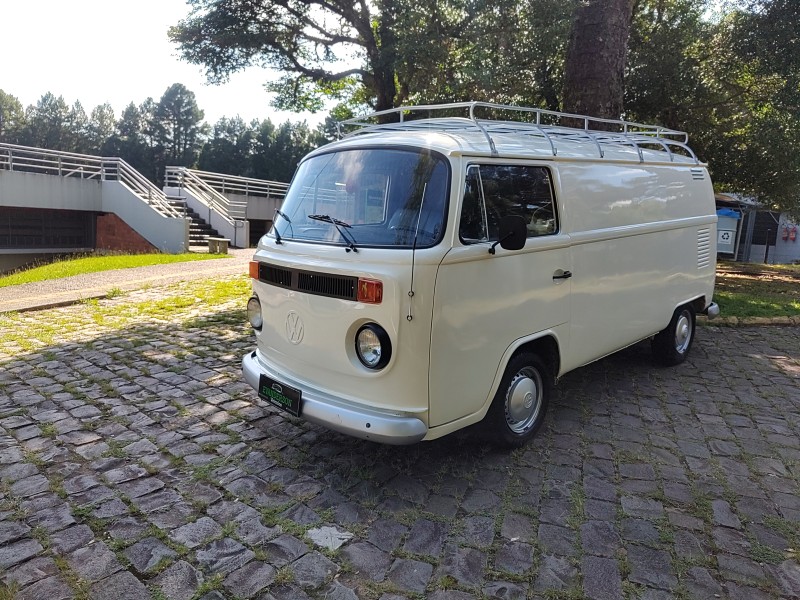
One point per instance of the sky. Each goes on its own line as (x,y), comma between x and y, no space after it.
(97,51)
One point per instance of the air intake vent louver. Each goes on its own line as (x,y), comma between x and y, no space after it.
(327,285)
(698,174)
(703,248)
(275,275)
(318,284)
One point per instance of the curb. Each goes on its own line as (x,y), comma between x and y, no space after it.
(750,321)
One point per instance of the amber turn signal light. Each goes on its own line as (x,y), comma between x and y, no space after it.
(370,291)
(254,269)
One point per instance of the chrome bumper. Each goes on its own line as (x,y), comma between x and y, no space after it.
(712,310)
(357,421)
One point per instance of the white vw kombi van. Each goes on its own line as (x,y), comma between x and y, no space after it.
(426,274)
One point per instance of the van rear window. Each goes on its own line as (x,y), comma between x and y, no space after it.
(494,191)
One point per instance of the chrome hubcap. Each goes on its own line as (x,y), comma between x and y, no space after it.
(683,333)
(523,400)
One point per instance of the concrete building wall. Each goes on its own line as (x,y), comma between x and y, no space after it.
(168,234)
(33,190)
(257,207)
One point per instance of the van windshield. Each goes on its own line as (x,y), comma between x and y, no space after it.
(374,197)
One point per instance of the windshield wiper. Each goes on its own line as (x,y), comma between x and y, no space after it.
(348,238)
(278,211)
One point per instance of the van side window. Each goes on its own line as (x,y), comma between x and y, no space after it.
(494,191)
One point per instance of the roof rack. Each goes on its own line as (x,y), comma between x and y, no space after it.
(549,125)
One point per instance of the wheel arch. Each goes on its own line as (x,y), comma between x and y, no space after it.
(546,347)
(545,344)
(699,304)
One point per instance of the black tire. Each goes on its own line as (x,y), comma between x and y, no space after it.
(521,401)
(671,346)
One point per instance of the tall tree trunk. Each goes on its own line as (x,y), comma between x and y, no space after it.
(595,64)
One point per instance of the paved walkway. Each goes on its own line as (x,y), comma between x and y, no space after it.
(135,463)
(69,290)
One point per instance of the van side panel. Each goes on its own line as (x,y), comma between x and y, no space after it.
(641,239)
(482,304)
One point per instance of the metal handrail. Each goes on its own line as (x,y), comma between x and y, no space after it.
(236,184)
(28,159)
(219,185)
(547,124)
(185,178)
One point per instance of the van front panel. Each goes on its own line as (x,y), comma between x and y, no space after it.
(310,338)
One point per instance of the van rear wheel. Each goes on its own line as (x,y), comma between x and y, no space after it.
(520,404)
(671,346)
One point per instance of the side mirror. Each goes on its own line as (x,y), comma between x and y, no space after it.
(513,233)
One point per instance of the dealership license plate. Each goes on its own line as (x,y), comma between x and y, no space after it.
(280,395)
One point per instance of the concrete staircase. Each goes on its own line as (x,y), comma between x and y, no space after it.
(199,230)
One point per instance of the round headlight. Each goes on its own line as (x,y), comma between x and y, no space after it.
(373,347)
(254,313)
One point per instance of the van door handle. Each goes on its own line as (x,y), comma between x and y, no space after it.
(563,275)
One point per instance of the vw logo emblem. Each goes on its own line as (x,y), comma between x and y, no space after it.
(294,327)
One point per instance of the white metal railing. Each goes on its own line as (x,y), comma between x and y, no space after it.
(225,185)
(187,179)
(549,125)
(27,159)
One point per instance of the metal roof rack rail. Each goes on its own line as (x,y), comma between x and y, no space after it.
(550,125)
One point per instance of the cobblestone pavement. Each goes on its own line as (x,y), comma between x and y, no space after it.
(136,464)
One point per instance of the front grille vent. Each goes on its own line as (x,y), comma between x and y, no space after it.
(335,286)
(703,248)
(275,275)
(698,174)
(310,282)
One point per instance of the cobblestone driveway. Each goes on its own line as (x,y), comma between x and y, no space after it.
(136,464)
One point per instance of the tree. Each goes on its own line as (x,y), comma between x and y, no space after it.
(12,118)
(385,53)
(129,141)
(307,40)
(176,128)
(503,51)
(77,130)
(277,151)
(595,63)
(100,129)
(230,148)
(761,64)
(665,80)
(47,124)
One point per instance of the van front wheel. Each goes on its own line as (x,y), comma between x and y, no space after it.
(671,346)
(520,403)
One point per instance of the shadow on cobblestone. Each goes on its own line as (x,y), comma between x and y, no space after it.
(136,463)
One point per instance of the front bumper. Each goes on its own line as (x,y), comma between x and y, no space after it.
(341,416)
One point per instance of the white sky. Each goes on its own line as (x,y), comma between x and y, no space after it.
(97,51)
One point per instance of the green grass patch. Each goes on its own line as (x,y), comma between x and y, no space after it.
(94,264)
(176,302)
(756,290)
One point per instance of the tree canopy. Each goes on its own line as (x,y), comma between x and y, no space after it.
(153,134)
(729,76)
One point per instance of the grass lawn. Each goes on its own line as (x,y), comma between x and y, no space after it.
(757,290)
(93,264)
